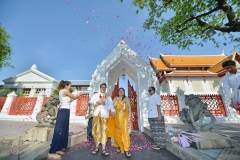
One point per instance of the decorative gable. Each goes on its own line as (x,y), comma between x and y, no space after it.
(32,75)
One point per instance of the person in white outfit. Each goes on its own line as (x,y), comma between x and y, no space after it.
(231,83)
(101,105)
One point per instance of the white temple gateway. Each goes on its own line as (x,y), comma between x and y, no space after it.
(173,77)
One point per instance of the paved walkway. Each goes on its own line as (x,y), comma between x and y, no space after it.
(140,144)
(141,149)
(18,128)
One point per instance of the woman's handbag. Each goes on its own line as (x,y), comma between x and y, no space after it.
(185,141)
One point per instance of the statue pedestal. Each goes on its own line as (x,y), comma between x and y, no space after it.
(40,134)
(212,140)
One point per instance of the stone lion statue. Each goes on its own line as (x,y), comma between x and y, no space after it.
(196,112)
(48,114)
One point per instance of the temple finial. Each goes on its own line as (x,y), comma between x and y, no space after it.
(223,52)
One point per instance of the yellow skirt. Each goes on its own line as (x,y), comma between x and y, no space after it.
(111,126)
(100,130)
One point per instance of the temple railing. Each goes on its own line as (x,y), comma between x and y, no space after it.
(215,104)
(2,101)
(22,106)
(170,105)
(82,105)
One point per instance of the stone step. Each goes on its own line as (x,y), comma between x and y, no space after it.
(191,153)
(229,154)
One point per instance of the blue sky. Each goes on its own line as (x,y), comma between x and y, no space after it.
(68,39)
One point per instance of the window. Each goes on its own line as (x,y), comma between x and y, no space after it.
(38,90)
(26,91)
(13,89)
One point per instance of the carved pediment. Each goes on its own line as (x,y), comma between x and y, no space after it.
(30,76)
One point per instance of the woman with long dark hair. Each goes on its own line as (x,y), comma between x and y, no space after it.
(60,135)
(122,119)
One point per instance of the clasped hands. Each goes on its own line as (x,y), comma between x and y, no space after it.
(100,102)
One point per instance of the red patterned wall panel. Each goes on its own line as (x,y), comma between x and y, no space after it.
(82,105)
(215,104)
(170,105)
(133,101)
(22,106)
(115,90)
(2,101)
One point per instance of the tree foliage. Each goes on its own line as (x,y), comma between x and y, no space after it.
(192,22)
(5,48)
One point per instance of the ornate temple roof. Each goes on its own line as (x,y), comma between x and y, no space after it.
(192,73)
(197,65)
(217,68)
(172,61)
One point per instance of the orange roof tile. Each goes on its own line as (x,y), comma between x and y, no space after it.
(205,60)
(159,64)
(218,66)
(191,73)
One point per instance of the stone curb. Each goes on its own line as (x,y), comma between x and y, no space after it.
(73,140)
(36,150)
(191,153)
(186,153)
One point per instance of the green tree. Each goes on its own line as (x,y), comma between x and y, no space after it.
(192,22)
(5,48)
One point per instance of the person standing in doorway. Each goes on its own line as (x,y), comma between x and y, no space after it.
(122,123)
(60,135)
(102,104)
(156,120)
(231,81)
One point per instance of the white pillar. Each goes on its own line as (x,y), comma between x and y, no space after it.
(32,92)
(206,87)
(8,103)
(188,87)
(172,89)
(38,105)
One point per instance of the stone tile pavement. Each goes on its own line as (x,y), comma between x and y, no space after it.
(141,149)
(18,128)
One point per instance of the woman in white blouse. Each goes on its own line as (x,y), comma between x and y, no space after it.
(60,136)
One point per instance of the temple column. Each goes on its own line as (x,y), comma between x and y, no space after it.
(39,103)
(8,103)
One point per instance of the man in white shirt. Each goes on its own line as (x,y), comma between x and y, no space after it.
(231,81)
(156,120)
(101,106)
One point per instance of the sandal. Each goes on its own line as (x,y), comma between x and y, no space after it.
(53,156)
(156,148)
(105,153)
(118,150)
(95,151)
(128,154)
(61,153)
(154,145)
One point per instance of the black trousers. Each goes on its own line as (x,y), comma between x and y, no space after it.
(89,128)
(60,135)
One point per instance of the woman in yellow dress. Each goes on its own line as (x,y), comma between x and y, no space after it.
(122,119)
